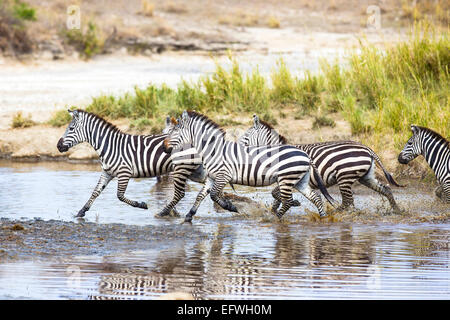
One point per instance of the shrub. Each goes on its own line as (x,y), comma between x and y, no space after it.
(19,121)
(88,43)
(60,118)
(23,11)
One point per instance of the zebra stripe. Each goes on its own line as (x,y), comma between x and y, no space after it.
(127,156)
(338,162)
(229,162)
(436,151)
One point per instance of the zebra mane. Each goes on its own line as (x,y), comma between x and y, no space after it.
(202,117)
(282,139)
(434,134)
(109,125)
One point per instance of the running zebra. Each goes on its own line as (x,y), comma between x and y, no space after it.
(436,151)
(229,162)
(338,162)
(128,156)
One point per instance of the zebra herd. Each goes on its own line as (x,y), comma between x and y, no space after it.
(194,147)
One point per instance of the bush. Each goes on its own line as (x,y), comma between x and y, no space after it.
(60,118)
(13,28)
(23,11)
(19,121)
(88,43)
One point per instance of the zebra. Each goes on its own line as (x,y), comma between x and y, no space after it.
(339,162)
(128,156)
(436,151)
(229,162)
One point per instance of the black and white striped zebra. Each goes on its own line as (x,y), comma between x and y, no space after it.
(436,151)
(229,162)
(128,156)
(339,162)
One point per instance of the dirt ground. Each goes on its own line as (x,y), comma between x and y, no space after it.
(213,25)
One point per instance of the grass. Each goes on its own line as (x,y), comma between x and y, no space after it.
(379,92)
(19,121)
(147,8)
(60,118)
(23,11)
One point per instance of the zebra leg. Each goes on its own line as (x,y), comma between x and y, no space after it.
(310,194)
(105,178)
(370,181)
(277,200)
(285,198)
(201,195)
(345,187)
(179,182)
(217,192)
(438,192)
(124,177)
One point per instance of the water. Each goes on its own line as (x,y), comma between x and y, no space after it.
(242,257)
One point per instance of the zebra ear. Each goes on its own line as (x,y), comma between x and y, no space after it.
(414,129)
(255,121)
(185,116)
(73,113)
(167,121)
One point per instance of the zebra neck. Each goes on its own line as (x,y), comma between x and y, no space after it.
(103,139)
(436,154)
(209,144)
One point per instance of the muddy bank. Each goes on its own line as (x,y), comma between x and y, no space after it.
(39,239)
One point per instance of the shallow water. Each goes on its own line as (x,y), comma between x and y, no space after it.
(242,258)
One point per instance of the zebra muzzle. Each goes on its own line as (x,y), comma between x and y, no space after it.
(402,160)
(61,147)
(166,148)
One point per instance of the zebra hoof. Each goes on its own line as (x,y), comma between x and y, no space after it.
(231,207)
(143,205)
(163,213)
(188,219)
(175,212)
(295,203)
(279,215)
(81,213)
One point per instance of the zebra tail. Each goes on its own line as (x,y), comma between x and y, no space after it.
(388,176)
(322,188)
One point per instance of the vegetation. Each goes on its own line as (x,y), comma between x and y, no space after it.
(88,43)
(23,11)
(60,118)
(19,121)
(379,92)
(14,15)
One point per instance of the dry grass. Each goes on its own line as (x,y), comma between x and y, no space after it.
(176,7)
(273,22)
(19,121)
(239,18)
(147,8)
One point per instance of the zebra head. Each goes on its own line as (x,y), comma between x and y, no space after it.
(261,133)
(74,133)
(412,148)
(174,139)
(170,123)
(194,130)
